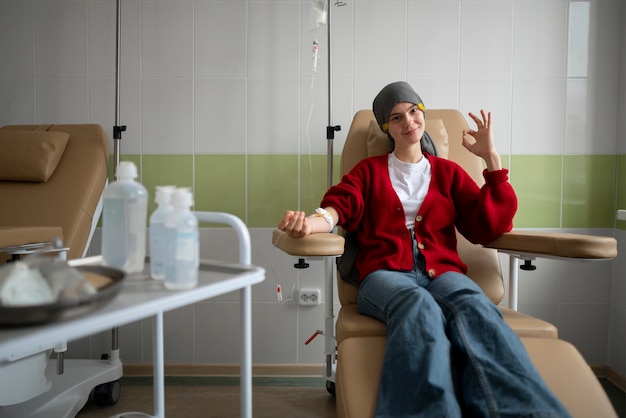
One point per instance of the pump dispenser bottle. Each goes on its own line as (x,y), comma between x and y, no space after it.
(156,232)
(125,204)
(182,256)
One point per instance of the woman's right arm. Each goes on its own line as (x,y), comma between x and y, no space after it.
(296,224)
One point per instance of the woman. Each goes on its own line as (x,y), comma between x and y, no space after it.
(449,353)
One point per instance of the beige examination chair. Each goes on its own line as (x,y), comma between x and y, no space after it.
(360,340)
(51,182)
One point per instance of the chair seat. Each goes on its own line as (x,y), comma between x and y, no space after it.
(350,323)
(559,363)
(528,326)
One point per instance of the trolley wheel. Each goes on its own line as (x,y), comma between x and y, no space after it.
(107,393)
(330,387)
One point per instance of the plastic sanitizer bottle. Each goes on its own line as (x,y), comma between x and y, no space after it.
(182,257)
(125,206)
(156,232)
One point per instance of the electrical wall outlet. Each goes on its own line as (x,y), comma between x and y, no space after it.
(309,297)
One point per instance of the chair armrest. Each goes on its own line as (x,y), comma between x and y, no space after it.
(555,245)
(313,245)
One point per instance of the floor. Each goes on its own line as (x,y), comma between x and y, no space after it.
(213,397)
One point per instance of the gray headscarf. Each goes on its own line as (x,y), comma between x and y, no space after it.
(391,95)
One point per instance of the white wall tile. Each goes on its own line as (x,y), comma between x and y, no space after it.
(215,22)
(343,38)
(617,340)
(542,284)
(380,40)
(101,96)
(490,95)
(584,281)
(274,39)
(577,117)
(275,333)
(62,100)
(437,93)
(618,282)
(167,39)
(130,115)
(314,116)
(540,38)
(220,116)
(486,39)
(16,23)
(130,38)
(547,311)
(274,128)
(343,110)
(311,320)
(101,40)
(61,39)
(217,336)
(537,116)
(167,116)
(179,333)
(585,326)
(433,39)
(131,343)
(18,103)
(311,39)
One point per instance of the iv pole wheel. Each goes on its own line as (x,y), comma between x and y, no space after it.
(330,387)
(107,394)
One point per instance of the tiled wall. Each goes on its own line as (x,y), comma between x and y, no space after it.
(220,96)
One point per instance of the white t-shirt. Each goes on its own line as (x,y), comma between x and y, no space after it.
(410,181)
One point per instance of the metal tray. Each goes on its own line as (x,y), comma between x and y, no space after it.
(16,316)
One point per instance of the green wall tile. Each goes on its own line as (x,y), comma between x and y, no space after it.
(259,188)
(161,170)
(537,182)
(313,181)
(589,191)
(272,188)
(221,184)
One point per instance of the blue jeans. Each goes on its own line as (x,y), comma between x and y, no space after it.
(449,352)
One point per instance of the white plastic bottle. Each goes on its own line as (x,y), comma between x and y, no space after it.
(124,212)
(182,256)
(156,231)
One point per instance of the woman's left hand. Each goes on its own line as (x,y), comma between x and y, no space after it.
(483,145)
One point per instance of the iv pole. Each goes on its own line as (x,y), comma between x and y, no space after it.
(330,129)
(330,349)
(117,137)
(117,129)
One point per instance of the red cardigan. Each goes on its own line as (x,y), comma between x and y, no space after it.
(367,203)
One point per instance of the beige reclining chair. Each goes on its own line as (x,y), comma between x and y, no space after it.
(51,182)
(360,340)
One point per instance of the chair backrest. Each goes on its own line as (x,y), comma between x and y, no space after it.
(70,197)
(365,139)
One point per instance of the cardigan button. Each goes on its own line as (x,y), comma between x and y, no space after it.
(420,246)
(418,218)
(431,273)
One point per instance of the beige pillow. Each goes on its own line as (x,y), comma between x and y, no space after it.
(378,143)
(30,155)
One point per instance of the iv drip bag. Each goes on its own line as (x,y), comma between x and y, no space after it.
(317,14)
